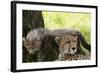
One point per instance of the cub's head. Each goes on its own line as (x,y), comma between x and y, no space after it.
(32,42)
(67,44)
(31,46)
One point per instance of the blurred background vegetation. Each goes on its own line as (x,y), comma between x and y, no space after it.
(70,20)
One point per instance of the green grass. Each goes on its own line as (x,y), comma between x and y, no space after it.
(60,20)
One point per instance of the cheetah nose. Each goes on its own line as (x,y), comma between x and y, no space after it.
(73,48)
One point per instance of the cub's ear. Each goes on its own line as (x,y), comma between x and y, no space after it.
(58,39)
(23,39)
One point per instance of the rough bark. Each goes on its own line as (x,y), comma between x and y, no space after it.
(31,19)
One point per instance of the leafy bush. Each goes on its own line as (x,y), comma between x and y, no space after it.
(60,20)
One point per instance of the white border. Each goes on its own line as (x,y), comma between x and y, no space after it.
(37,65)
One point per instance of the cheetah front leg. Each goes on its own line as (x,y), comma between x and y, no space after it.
(61,57)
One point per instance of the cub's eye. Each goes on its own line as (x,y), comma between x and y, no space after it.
(27,43)
(38,40)
(68,41)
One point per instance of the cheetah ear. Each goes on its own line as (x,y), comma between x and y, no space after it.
(58,39)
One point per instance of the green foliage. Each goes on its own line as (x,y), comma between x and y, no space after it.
(60,20)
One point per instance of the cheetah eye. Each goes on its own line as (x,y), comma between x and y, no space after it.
(75,41)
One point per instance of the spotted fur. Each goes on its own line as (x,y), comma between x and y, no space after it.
(69,57)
